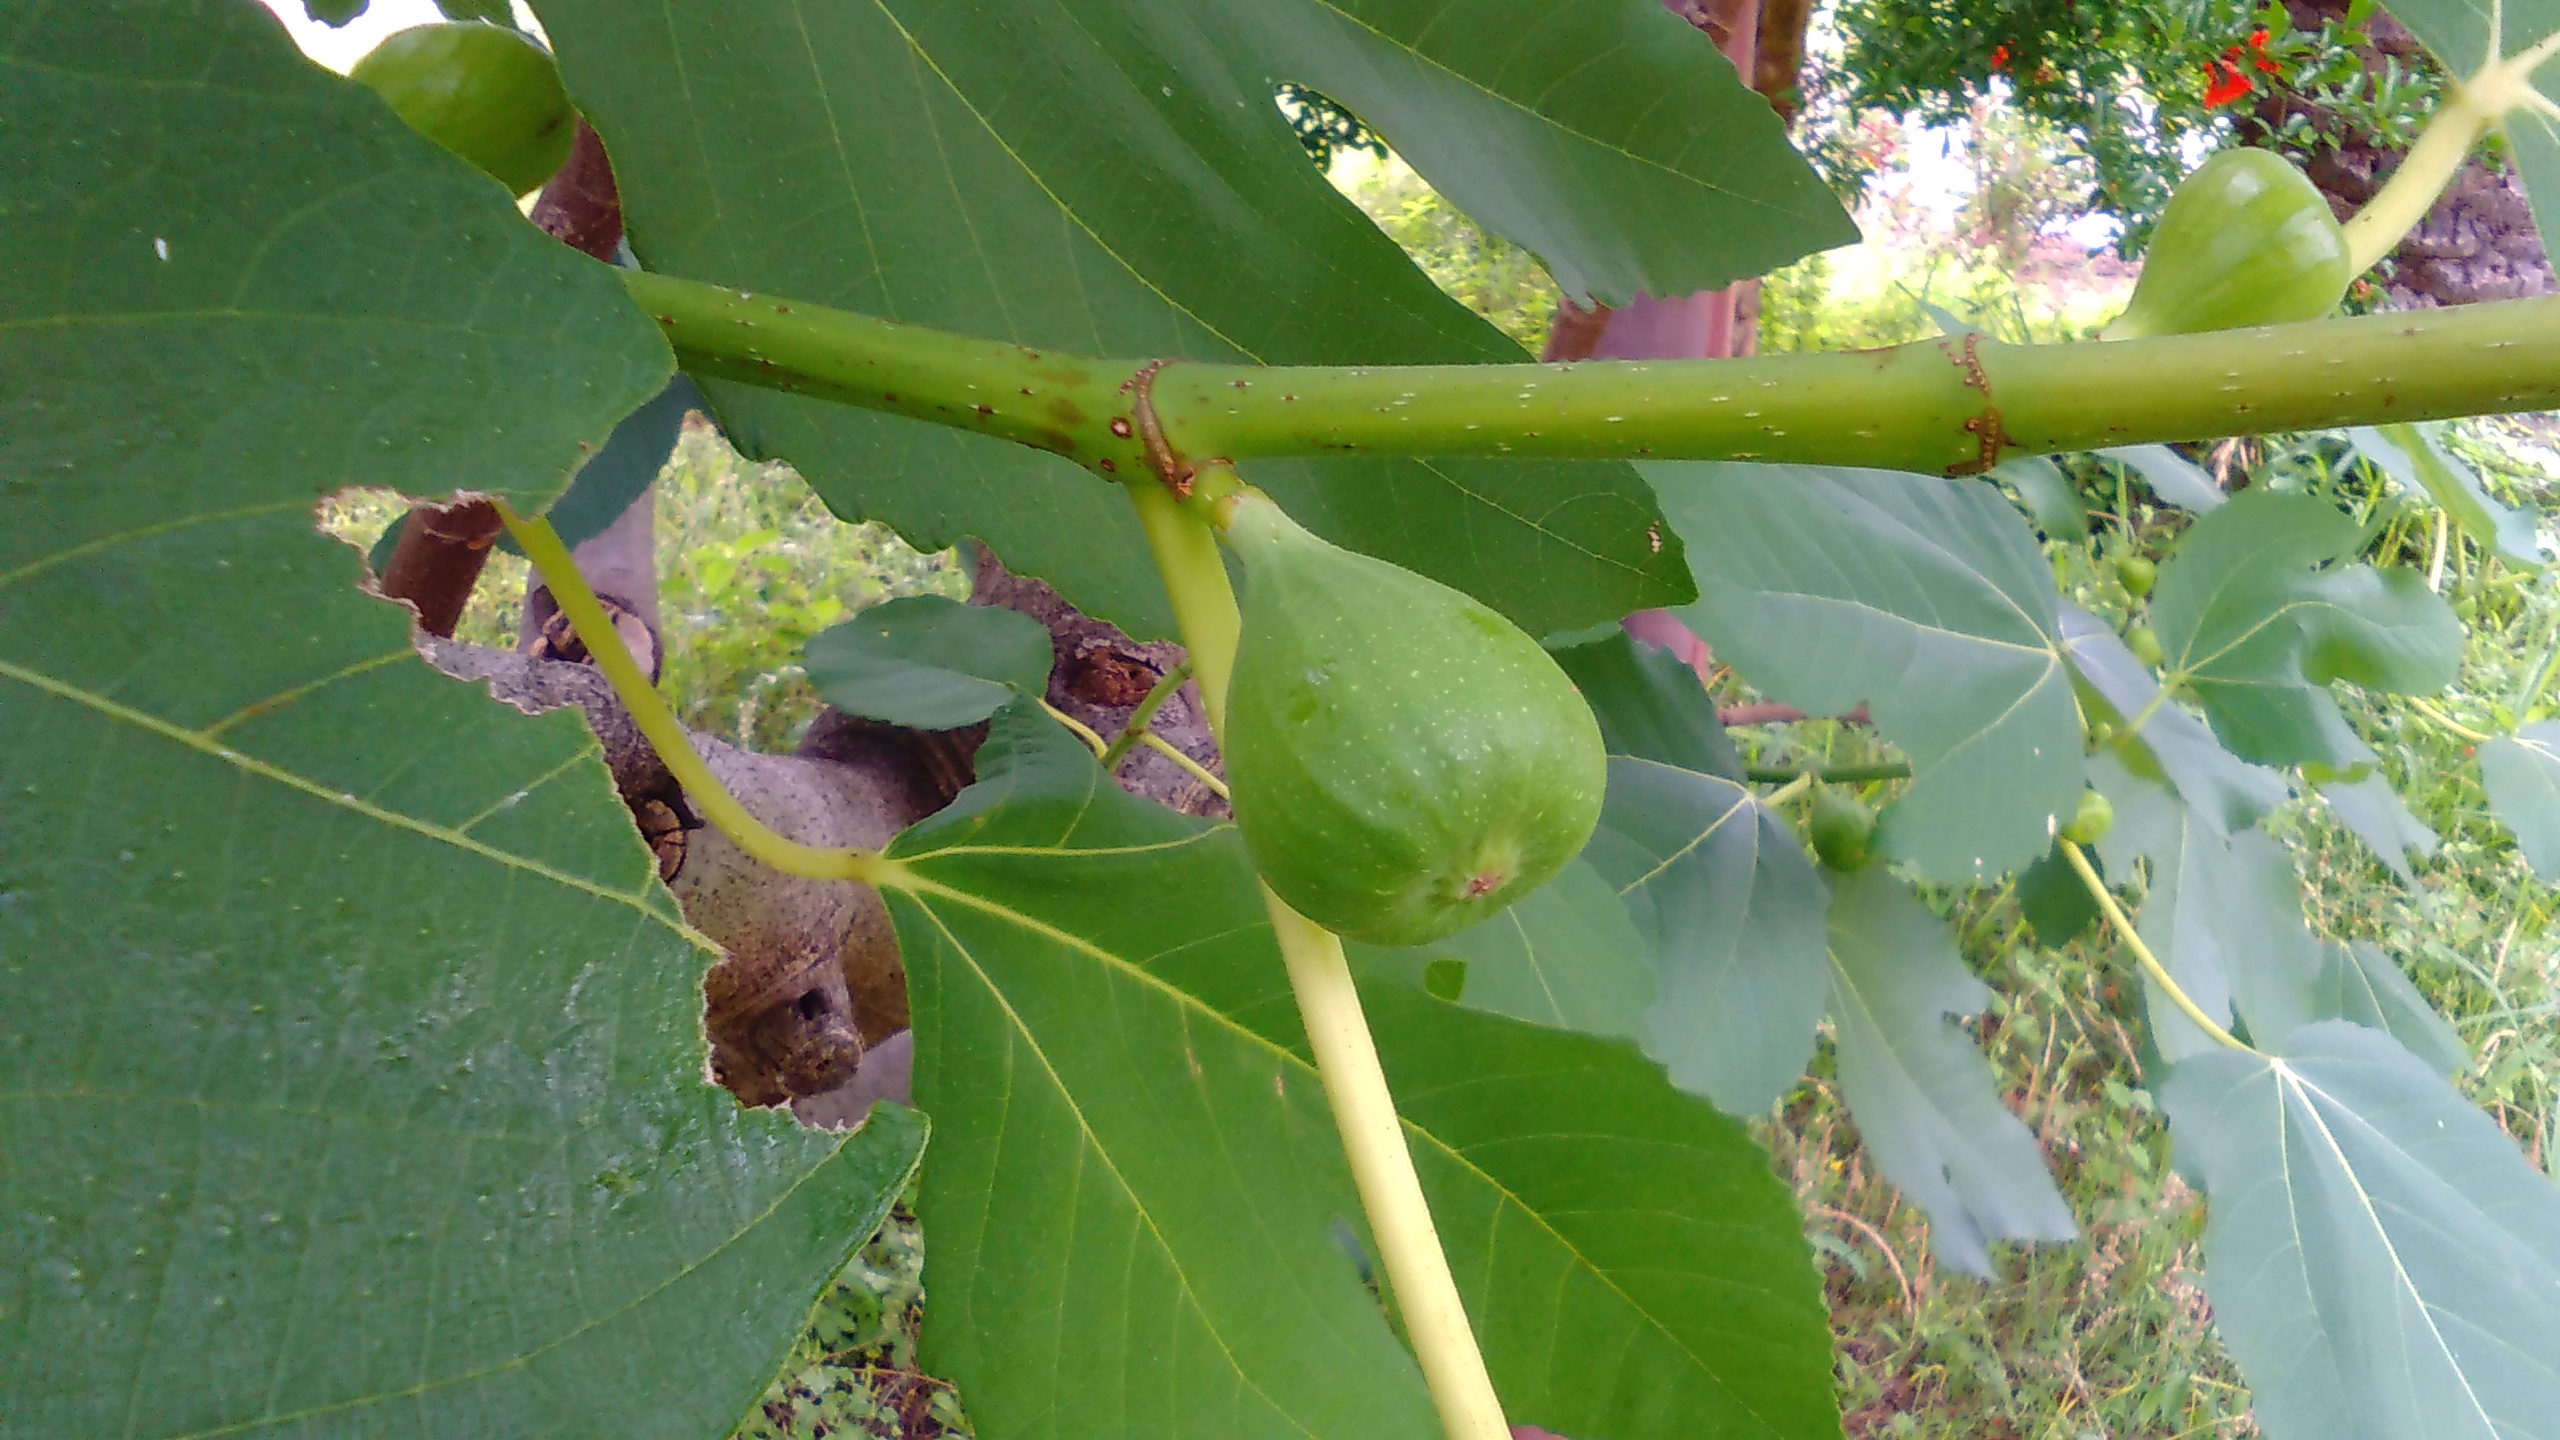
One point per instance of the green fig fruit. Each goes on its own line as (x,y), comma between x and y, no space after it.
(1843,829)
(483,92)
(2246,240)
(2144,642)
(1404,761)
(2137,574)
(2093,819)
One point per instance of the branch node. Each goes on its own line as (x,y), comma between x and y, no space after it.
(1169,467)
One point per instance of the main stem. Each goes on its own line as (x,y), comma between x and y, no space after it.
(1948,405)
(1204,605)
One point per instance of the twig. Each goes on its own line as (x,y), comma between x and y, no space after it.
(1136,725)
(1829,774)
(1197,770)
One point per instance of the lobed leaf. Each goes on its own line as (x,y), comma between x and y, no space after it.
(2225,791)
(2381,1259)
(2258,633)
(351,1061)
(1136,1178)
(1925,598)
(1923,1096)
(1732,913)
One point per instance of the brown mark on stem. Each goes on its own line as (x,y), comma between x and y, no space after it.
(1168,466)
(1985,426)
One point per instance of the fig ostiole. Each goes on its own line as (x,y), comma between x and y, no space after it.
(1404,761)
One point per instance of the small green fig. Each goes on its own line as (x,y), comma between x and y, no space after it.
(483,92)
(2091,820)
(2246,240)
(2137,574)
(2144,642)
(1404,761)
(1843,829)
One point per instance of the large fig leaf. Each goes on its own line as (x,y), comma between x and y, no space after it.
(350,1053)
(1136,1175)
(1925,598)
(2382,1261)
(1111,177)
(2258,633)
(1921,1093)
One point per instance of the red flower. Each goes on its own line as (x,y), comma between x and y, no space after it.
(2000,57)
(2224,81)
(2258,52)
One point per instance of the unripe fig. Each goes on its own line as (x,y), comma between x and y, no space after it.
(1404,761)
(2091,820)
(2246,240)
(2144,642)
(2138,574)
(483,92)
(1843,829)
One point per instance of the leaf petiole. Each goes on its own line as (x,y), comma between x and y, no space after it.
(2151,966)
(541,544)
(1136,726)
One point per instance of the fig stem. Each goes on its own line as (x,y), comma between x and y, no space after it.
(2151,966)
(1198,771)
(1399,1217)
(1435,1320)
(541,544)
(1934,405)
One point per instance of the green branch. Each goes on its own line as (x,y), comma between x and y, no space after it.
(1944,406)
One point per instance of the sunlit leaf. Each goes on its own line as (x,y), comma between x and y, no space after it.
(1110,177)
(1925,1100)
(1128,1132)
(1924,598)
(2382,1261)
(351,1056)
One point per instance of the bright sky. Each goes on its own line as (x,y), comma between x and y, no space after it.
(341,49)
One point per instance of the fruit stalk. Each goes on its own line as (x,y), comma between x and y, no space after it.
(1204,605)
(1939,405)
